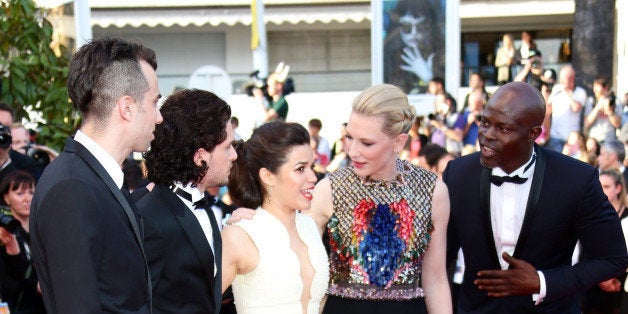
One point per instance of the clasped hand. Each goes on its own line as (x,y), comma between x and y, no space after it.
(415,63)
(521,279)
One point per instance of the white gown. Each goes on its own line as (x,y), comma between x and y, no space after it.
(275,285)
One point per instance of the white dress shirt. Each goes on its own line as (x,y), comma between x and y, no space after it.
(200,214)
(508,207)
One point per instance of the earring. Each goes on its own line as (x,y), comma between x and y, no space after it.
(269,189)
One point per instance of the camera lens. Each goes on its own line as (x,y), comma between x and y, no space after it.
(9,223)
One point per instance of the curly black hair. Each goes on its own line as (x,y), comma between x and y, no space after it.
(192,119)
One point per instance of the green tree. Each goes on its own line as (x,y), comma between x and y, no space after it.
(32,75)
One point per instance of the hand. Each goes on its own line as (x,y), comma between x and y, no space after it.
(416,64)
(611,285)
(9,241)
(522,279)
(239,214)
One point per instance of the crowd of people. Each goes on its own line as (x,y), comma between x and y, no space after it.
(367,224)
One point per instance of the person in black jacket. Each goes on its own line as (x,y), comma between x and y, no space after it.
(17,275)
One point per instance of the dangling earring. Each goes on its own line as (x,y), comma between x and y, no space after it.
(269,189)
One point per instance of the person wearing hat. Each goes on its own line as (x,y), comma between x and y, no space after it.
(276,81)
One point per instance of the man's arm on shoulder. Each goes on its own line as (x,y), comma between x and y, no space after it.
(68,224)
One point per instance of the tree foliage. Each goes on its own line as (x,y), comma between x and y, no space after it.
(32,75)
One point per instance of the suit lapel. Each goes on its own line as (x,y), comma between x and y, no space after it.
(533,199)
(218,259)
(75,147)
(193,231)
(485,207)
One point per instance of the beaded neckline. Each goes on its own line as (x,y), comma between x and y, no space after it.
(403,169)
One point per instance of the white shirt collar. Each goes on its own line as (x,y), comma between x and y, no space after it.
(104,158)
(525,171)
(192,189)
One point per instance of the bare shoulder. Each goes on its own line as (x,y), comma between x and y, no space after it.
(239,249)
(322,204)
(440,202)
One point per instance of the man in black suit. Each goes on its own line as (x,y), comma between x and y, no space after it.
(192,151)
(86,237)
(518,233)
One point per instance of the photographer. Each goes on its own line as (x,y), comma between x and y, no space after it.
(10,159)
(532,72)
(466,127)
(22,144)
(17,275)
(603,116)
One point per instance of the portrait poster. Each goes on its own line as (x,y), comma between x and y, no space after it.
(413,42)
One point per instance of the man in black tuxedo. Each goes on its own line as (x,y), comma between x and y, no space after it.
(192,151)
(518,234)
(86,237)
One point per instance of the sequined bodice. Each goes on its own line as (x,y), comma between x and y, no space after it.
(379,233)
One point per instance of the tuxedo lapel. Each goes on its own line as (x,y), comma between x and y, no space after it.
(218,259)
(193,231)
(533,199)
(485,208)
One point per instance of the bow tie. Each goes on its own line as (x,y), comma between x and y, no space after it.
(206,202)
(497,180)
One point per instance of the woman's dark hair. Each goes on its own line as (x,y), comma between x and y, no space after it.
(267,148)
(13,181)
(192,119)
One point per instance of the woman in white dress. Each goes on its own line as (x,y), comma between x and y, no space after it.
(276,262)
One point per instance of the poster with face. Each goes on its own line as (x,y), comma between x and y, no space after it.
(413,42)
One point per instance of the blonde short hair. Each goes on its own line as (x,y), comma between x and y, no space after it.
(389,102)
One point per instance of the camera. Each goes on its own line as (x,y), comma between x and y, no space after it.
(5,137)
(478,117)
(40,156)
(7,221)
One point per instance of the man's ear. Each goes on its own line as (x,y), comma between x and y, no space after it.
(125,107)
(534,133)
(198,156)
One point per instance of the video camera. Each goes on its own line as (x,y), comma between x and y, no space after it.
(7,221)
(40,156)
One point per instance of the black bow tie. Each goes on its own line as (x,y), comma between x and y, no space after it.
(497,180)
(206,202)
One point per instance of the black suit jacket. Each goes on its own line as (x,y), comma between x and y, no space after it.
(566,204)
(86,241)
(180,259)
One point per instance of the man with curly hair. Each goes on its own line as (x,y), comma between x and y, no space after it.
(191,152)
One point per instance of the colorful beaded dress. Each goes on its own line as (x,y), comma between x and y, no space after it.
(379,233)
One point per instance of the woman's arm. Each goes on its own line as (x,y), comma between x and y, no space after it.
(322,207)
(239,254)
(434,274)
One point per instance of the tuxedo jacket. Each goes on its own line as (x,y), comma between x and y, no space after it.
(86,239)
(566,204)
(180,259)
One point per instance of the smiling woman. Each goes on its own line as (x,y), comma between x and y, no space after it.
(276,262)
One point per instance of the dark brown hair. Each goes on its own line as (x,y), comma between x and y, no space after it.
(267,148)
